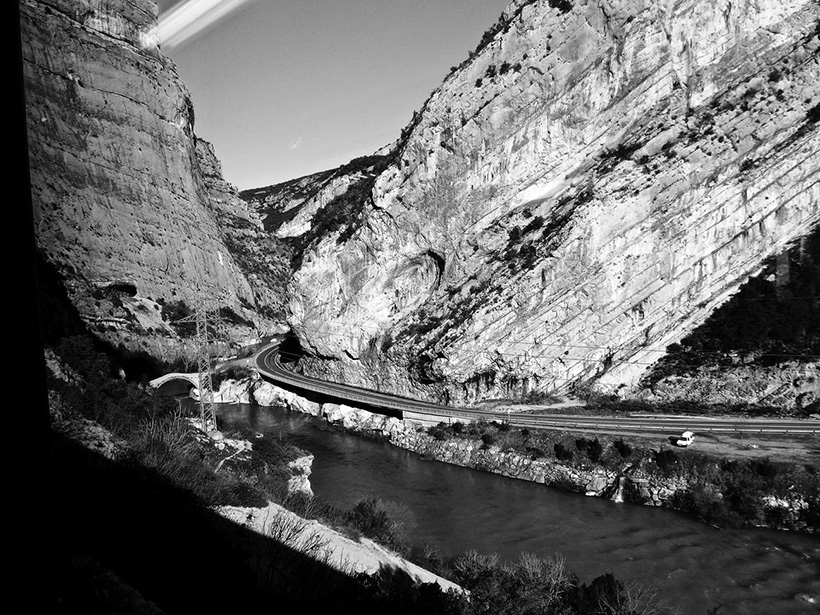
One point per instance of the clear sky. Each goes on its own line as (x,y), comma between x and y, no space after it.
(284,88)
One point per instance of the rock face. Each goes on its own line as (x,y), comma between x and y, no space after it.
(789,386)
(580,193)
(125,196)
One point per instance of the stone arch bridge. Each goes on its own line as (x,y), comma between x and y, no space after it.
(177,383)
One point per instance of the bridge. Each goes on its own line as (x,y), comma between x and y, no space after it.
(269,366)
(176,383)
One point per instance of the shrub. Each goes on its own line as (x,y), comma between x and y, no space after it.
(766,468)
(562,453)
(487,439)
(536,452)
(667,460)
(173,311)
(379,520)
(543,585)
(592,448)
(564,6)
(623,448)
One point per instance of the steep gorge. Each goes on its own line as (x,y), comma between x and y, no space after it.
(581,192)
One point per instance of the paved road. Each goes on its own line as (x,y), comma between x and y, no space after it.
(268,365)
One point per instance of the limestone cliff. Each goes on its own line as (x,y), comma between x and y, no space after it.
(130,207)
(581,192)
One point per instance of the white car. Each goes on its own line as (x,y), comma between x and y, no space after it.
(686,438)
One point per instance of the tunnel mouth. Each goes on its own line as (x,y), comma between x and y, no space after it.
(290,349)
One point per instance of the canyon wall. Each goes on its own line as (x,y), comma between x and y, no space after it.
(581,192)
(130,207)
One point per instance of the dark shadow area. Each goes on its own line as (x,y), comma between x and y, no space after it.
(119,536)
(290,350)
(774,318)
(59,317)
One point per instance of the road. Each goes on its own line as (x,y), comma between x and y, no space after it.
(267,363)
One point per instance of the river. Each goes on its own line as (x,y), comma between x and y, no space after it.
(694,567)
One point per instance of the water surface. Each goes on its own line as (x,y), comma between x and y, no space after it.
(694,566)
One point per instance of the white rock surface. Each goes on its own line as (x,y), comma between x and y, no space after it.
(336,550)
(266,394)
(580,194)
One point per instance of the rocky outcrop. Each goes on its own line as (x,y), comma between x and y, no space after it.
(788,386)
(128,203)
(232,391)
(579,194)
(299,482)
(266,394)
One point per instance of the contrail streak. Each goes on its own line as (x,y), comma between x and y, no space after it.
(190,17)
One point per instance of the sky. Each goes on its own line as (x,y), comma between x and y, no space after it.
(285,88)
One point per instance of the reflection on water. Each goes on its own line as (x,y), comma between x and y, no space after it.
(695,567)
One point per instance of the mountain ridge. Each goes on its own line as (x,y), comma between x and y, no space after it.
(571,148)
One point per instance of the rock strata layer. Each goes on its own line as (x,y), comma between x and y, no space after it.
(581,192)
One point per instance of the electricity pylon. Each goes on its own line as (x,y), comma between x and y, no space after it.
(203,350)
(206,318)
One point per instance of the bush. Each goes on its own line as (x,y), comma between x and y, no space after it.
(543,585)
(173,312)
(439,432)
(536,452)
(623,448)
(667,460)
(562,453)
(594,450)
(564,6)
(382,521)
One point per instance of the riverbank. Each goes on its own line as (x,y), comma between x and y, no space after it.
(329,546)
(758,492)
